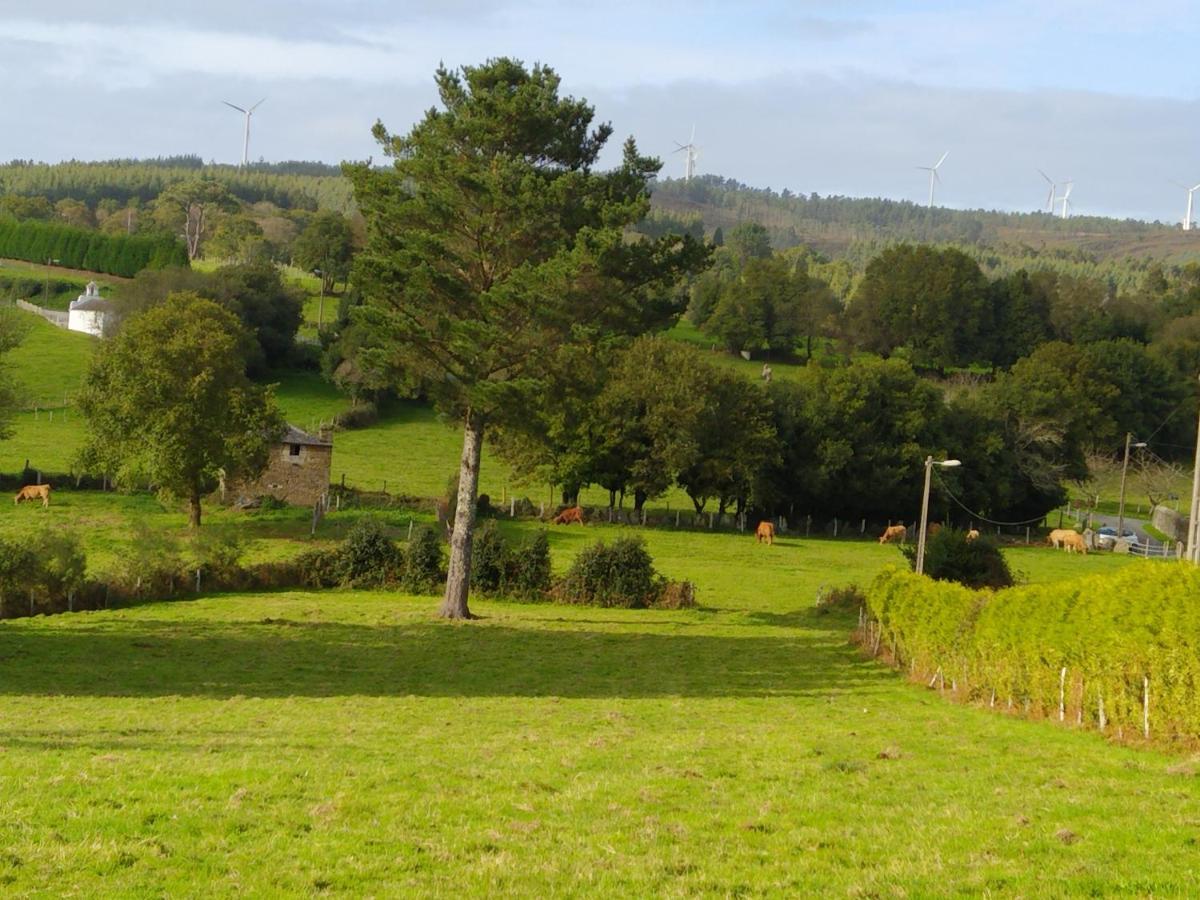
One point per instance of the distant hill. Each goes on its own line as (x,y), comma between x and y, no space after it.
(835,225)
(289,185)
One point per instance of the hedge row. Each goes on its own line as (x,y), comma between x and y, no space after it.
(75,248)
(1121,639)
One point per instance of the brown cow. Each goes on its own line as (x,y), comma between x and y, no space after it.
(33,492)
(765,533)
(894,533)
(973,534)
(569,516)
(934,528)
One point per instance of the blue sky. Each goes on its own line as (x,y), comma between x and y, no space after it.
(845,99)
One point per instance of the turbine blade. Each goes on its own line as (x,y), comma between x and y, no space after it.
(942,160)
(233,106)
(258,104)
(1196,188)
(1044,175)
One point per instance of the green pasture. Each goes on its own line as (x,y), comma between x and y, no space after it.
(351,744)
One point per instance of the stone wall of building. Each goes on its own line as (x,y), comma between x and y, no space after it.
(1171,523)
(296,473)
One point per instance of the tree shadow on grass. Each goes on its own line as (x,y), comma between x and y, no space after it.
(282,658)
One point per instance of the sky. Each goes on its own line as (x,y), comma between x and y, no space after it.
(846,98)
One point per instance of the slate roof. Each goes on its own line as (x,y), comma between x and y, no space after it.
(293,435)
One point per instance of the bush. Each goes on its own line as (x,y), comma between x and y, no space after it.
(676,595)
(529,569)
(219,554)
(362,415)
(321,568)
(490,559)
(423,569)
(950,556)
(617,574)
(368,556)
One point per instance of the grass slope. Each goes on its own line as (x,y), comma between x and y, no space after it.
(351,744)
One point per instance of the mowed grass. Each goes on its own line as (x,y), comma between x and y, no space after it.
(351,744)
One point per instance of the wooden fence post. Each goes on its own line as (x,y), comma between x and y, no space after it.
(1146,706)
(1062,696)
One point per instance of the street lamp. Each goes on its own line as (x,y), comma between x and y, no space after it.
(1124,471)
(929,464)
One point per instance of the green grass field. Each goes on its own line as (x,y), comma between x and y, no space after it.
(351,744)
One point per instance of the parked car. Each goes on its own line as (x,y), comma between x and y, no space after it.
(1106,537)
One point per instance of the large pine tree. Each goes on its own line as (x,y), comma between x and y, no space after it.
(492,243)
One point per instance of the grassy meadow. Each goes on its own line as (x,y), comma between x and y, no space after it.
(351,744)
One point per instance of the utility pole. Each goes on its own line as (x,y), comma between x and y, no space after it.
(924,517)
(1124,472)
(929,464)
(1193,546)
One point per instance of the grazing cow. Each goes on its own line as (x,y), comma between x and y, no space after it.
(973,534)
(1069,539)
(33,492)
(765,533)
(569,516)
(934,528)
(894,533)
(1075,543)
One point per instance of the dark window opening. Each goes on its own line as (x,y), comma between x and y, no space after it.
(293,449)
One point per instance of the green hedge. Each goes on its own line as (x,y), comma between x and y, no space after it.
(76,248)
(1009,647)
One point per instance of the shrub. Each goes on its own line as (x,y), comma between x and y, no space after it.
(368,556)
(423,571)
(153,561)
(529,568)
(61,563)
(840,599)
(362,415)
(676,595)
(321,568)
(950,556)
(219,554)
(617,574)
(490,559)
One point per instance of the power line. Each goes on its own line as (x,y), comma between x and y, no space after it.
(980,516)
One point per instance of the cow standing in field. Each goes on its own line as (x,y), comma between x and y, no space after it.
(765,533)
(973,534)
(569,516)
(33,492)
(894,533)
(1069,539)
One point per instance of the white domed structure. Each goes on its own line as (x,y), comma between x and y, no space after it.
(90,313)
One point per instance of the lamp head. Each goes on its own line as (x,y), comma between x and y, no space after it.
(950,463)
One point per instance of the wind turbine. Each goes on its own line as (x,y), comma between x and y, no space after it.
(1053,187)
(246,140)
(1066,199)
(691,154)
(1187,219)
(933,175)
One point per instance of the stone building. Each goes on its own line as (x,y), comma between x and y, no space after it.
(297,470)
(90,313)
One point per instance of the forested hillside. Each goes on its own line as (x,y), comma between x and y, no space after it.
(857,229)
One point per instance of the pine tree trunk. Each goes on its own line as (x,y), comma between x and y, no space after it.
(458,578)
(194,509)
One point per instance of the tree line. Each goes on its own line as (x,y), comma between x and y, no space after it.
(79,249)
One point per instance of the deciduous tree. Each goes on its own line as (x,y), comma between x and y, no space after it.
(167,401)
